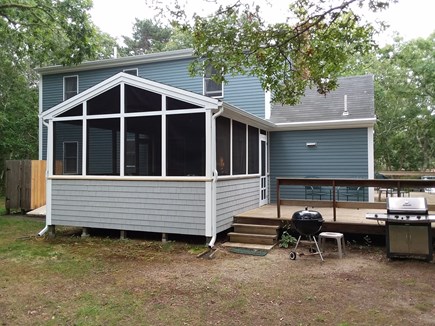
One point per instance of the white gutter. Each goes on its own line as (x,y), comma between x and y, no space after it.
(42,232)
(326,124)
(215,176)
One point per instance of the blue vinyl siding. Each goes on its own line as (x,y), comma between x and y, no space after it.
(340,153)
(246,93)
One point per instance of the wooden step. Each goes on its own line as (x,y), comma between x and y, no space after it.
(252,238)
(255,228)
(259,221)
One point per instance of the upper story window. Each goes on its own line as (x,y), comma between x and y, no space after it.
(70,86)
(211,88)
(132,71)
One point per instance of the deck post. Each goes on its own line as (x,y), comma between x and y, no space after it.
(85,232)
(278,199)
(334,203)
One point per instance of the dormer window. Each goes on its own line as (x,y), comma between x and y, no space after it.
(70,86)
(211,88)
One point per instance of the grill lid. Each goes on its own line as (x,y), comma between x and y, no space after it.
(307,215)
(402,205)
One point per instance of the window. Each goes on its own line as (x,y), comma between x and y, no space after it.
(223,126)
(70,86)
(132,71)
(211,88)
(239,148)
(185,152)
(253,148)
(70,157)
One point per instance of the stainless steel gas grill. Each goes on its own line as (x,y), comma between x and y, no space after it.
(408,227)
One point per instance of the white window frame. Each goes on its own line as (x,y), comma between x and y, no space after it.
(213,94)
(130,70)
(77,157)
(64,86)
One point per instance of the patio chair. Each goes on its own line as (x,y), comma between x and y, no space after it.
(351,192)
(317,191)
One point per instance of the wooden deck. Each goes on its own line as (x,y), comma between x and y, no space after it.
(348,220)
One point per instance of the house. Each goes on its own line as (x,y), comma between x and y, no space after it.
(135,143)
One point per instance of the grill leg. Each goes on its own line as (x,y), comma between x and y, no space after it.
(297,243)
(318,249)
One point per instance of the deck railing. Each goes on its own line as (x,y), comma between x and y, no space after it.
(395,187)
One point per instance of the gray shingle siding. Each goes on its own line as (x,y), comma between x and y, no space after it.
(340,153)
(150,206)
(234,197)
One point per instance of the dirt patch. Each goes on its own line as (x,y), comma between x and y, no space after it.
(96,281)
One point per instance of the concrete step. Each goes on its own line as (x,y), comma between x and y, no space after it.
(253,238)
(255,228)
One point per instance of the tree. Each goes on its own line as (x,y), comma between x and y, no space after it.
(35,33)
(151,36)
(311,50)
(405,103)
(49,31)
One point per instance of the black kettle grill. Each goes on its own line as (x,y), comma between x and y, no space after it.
(307,223)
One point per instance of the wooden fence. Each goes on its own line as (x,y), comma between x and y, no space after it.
(25,185)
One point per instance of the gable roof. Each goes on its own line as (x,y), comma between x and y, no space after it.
(118,62)
(356,93)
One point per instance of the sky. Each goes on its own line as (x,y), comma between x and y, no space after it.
(410,18)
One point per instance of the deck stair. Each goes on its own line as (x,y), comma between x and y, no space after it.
(261,233)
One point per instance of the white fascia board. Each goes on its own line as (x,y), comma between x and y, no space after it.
(236,113)
(119,62)
(180,94)
(327,124)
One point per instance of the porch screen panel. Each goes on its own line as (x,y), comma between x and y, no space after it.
(140,100)
(67,149)
(143,148)
(185,148)
(223,138)
(253,148)
(239,148)
(103,147)
(174,104)
(105,103)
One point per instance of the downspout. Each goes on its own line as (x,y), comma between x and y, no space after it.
(42,232)
(215,176)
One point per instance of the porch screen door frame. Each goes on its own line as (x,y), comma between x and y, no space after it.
(264,191)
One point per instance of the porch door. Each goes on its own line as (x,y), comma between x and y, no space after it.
(263,171)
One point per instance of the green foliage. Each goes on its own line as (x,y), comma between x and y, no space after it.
(49,31)
(405,103)
(286,57)
(151,36)
(286,240)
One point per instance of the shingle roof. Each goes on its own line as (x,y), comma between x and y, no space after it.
(359,91)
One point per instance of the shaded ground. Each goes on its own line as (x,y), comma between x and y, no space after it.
(105,281)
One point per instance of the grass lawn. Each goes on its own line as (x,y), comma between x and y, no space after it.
(102,280)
